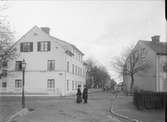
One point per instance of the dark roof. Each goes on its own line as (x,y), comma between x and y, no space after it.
(160,47)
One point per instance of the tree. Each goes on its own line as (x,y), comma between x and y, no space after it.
(97,75)
(130,63)
(6,40)
(90,73)
(112,83)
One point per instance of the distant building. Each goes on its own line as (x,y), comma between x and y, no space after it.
(155,78)
(53,66)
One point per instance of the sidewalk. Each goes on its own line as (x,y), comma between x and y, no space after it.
(124,105)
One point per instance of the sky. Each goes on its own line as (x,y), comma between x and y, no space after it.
(102,30)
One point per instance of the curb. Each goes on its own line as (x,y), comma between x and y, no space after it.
(122,116)
(18,114)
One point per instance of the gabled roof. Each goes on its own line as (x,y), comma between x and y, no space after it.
(159,48)
(63,43)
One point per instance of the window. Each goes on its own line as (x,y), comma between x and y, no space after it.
(4,64)
(76,84)
(51,83)
(67,84)
(72,68)
(67,66)
(79,83)
(4,84)
(26,47)
(76,69)
(79,71)
(73,85)
(44,46)
(51,65)
(18,66)
(4,73)
(18,83)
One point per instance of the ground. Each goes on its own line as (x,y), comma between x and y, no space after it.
(65,109)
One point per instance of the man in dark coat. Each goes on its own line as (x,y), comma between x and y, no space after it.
(85,94)
(79,98)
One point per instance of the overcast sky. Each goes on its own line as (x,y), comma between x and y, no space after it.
(100,29)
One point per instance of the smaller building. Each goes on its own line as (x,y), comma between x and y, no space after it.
(153,78)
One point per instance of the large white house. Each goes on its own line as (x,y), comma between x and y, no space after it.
(53,66)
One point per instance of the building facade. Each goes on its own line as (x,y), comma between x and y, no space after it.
(53,67)
(153,78)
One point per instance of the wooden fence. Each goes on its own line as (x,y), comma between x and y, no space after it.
(149,100)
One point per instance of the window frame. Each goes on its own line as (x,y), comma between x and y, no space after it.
(73,85)
(3,85)
(18,67)
(51,65)
(43,46)
(19,84)
(26,47)
(68,85)
(51,84)
(73,69)
(68,66)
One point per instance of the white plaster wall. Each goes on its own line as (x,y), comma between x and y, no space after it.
(36,74)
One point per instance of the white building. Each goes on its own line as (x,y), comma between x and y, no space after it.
(53,66)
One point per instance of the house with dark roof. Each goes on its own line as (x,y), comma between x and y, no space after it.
(53,66)
(153,78)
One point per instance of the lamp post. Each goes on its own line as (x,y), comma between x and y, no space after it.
(23,69)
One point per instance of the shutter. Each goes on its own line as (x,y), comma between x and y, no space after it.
(39,46)
(48,46)
(31,46)
(21,47)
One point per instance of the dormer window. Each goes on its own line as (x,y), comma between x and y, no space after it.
(26,47)
(44,46)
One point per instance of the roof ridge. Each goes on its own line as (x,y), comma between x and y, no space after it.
(160,47)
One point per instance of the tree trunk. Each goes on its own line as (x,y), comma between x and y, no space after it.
(132,82)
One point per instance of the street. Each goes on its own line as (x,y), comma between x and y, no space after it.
(64,109)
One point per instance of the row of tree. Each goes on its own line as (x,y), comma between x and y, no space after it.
(98,76)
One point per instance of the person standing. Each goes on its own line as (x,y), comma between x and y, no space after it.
(79,98)
(85,94)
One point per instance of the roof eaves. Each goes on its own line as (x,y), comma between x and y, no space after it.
(23,36)
(67,44)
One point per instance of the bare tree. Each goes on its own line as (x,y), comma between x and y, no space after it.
(7,52)
(130,63)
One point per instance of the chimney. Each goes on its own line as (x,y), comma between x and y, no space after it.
(46,29)
(155,39)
